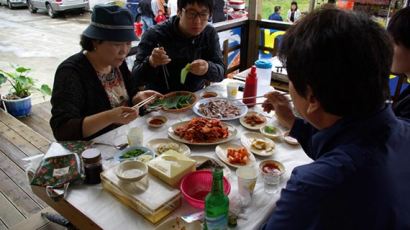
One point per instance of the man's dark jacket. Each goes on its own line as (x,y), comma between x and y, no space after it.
(181,50)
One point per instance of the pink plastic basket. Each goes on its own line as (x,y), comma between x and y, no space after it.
(196,185)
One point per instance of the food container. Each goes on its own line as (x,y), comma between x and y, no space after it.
(171,166)
(131,171)
(153,201)
(92,165)
(157,121)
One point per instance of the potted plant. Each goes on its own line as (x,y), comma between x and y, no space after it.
(18,101)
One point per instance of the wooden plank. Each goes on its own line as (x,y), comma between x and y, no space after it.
(51,226)
(36,221)
(12,152)
(39,120)
(2,225)
(75,216)
(17,140)
(14,185)
(29,134)
(9,214)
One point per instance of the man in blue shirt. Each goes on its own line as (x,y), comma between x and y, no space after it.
(361,171)
(276,15)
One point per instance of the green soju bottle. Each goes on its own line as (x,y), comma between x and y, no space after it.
(216,204)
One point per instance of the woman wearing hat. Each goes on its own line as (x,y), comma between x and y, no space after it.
(93,89)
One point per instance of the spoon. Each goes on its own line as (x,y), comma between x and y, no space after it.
(119,147)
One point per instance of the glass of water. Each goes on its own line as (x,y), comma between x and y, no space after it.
(271,172)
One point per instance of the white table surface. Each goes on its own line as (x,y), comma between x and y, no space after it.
(107,212)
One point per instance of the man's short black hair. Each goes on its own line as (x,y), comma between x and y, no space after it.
(86,43)
(207,3)
(344,57)
(399,27)
(277,8)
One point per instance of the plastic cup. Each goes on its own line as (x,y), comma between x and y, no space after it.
(271,178)
(135,137)
(232,90)
(247,176)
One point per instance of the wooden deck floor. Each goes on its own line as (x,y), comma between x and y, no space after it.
(20,208)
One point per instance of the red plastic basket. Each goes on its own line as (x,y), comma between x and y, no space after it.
(196,185)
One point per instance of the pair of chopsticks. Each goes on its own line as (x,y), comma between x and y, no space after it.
(165,71)
(141,103)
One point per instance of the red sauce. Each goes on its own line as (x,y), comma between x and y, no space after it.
(209,94)
(270,167)
(156,121)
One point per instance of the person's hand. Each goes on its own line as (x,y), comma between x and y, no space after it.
(278,102)
(158,57)
(123,115)
(199,67)
(142,95)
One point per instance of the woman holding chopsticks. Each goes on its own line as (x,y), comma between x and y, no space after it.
(93,90)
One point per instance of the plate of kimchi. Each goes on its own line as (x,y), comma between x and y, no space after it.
(234,155)
(202,131)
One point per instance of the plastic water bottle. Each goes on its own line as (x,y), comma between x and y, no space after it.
(264,72)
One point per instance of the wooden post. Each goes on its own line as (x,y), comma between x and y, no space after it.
(254,14)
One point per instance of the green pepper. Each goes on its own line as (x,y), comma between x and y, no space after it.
(184,72)
(270,129)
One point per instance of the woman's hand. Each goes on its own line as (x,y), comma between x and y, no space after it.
(278,102)
(199,67)
(142,95)
(123,115)
(158,57)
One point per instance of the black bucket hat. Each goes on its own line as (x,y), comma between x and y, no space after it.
(111,23)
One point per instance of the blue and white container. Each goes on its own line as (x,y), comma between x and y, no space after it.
(264,73)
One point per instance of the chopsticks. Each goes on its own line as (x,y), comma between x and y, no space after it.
(165,71)
(141,103)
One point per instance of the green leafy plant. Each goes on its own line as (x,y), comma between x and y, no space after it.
(22,84)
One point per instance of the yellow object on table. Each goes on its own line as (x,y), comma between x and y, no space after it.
(171,166)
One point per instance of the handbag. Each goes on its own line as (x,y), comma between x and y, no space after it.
(58,168)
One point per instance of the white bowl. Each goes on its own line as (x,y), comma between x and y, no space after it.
(288,139)
(131,171)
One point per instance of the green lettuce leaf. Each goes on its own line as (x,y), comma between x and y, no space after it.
(184,73)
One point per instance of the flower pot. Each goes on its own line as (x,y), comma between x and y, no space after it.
(19,107)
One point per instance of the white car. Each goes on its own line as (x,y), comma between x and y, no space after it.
(13,3)
(55,7)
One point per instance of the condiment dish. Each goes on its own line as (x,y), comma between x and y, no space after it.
(131,171)
(156,121)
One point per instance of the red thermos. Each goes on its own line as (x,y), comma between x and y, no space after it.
(251,84)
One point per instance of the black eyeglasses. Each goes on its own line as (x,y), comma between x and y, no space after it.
(192,14)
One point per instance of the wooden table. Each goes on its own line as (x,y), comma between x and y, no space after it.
(92,207)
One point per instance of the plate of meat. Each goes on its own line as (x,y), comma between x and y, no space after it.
(202,131)
(220,108)
(234,155)
(253,120)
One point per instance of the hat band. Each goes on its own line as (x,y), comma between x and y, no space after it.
(112,27)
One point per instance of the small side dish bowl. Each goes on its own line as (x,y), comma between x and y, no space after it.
(208,94)
(270,131)
(268,166)
(288,139)
(156,121)
(131,171)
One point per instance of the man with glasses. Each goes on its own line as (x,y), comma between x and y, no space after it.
(186,38)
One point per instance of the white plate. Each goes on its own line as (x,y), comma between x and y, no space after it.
(201,159)
(246,140)
(178,224)
(290,140)
(155,143)
(222,151)
(231,135)
(255,127)
(243,109)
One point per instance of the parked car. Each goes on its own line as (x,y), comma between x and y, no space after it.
(54,7)
(13,3)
